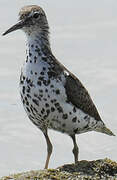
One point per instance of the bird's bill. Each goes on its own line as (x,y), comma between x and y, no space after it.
(15,27)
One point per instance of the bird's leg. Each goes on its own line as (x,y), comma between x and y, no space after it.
(49,149)
(75,148)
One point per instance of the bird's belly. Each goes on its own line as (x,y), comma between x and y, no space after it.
(47,106)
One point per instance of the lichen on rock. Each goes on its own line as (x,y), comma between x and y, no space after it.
(104,169)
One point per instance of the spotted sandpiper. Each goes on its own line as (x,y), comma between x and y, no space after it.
(52,96)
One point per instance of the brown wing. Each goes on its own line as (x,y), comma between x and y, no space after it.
(79,96)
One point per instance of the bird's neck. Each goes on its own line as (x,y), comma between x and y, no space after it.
(38,46)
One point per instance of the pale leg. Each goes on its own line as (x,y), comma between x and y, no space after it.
(49,149)
(75,148)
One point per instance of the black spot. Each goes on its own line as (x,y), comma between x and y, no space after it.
(44,58)
(57,91)
(35,123)
(35,59)
(74,119)
(56,104)
(45,116)
(52,101)
(35,95)
(37,50)
(86,117)
(35,109)
(42,73)
(21,96)
(35,101)
(44,68)
(44,99)
(46,82)
(41,95)
(75,130)
(31,72)
(59,78)
(92,123)
(28,80)
(32,45)
(40,90)
(41,78)
(31,84)
(86,127)
(36,46)
(28,109)
(23,101)
(25,98)
(52,86)
(51,74)
(43,110)
(52,109)
(23,90)
(45,50)
(39,98)
(74,109)
(35,73)
(63,124)
(30,61)
(60,110)
(21,78)
(28,89)
(31,108)
(48,112)
(67,101)
(46,90)
(46,104)
(30,54)
(31,117)
(39,83)
(70,113)
(65,116)
(28,96)
(24,78)
(27,59)
(21,82)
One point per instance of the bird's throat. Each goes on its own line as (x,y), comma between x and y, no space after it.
(37,47)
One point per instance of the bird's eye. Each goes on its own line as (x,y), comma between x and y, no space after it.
(36,15)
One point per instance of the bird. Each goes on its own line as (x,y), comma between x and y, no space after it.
(52,96)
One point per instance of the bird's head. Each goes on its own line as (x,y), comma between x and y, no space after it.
(32,19)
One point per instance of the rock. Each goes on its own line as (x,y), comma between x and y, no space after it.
(105,169)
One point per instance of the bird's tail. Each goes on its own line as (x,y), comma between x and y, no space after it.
(105,130)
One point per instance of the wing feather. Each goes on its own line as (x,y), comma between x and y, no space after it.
(79,96)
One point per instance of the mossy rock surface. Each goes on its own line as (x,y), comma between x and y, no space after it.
(84,170)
